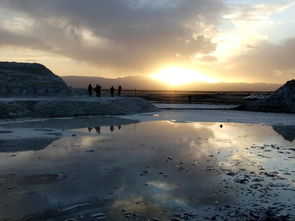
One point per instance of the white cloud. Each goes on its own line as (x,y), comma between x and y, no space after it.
(20,25)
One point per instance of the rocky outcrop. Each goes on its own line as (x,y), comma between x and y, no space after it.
(61,107)
(30,79)
(283,100)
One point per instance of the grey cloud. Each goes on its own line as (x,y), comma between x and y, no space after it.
(7,38)
(138,34)
(267,62)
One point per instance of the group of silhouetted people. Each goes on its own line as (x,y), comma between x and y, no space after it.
(97,90)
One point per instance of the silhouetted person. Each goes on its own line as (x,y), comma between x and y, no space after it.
(112,91)
(190,99)
(112,128)
(90,88)
(119,90)
(90,129)
(97,90)
(119,127)
(97,129)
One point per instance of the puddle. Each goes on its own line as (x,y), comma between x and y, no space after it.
(153,171)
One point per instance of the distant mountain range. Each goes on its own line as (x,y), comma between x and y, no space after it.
(145,83)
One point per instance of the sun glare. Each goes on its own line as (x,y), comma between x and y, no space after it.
(178,76)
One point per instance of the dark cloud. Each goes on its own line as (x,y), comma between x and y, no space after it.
(126,34)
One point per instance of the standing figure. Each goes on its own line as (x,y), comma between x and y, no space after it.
(97,90)
(119,90)
(97,129)
(112,91)
(90,88)
(190,98)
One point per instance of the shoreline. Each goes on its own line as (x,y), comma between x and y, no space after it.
(216,115)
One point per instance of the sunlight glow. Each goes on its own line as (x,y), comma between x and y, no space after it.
(179,75)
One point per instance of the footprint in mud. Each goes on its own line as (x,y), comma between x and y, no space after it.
(5,132)
(43,130)
(54,134)
(43,178)
(13,181)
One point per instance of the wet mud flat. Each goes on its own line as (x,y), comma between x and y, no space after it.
(158,170)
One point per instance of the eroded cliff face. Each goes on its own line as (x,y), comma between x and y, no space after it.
(30,79)
(285,94)
(283,100)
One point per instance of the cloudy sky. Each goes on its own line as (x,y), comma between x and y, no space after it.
(226,40)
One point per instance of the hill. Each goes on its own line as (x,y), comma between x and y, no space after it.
(283,100)
(145,83)
(30,79)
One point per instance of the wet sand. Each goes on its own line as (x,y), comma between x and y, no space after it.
(156,170)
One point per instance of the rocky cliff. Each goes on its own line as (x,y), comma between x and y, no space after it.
(283,100)
(30,79)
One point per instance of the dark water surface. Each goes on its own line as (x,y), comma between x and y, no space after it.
(150,171)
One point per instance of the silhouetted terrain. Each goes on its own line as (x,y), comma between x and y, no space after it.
(282,100)
(30,79)
(145,83)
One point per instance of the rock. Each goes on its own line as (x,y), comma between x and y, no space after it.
(30,79)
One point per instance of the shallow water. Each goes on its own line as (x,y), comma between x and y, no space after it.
(156,170)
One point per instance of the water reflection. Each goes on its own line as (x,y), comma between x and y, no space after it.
(35,144)
(151,170)
(112,128)
(287,132)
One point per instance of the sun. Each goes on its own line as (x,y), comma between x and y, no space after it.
(175,76)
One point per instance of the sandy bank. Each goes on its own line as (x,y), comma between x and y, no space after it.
(69,107)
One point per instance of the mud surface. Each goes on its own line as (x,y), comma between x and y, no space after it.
(155,170)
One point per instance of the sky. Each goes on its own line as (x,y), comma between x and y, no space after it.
(207,40)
